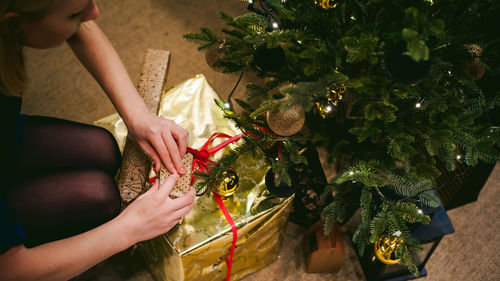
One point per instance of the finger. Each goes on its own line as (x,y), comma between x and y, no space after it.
(173,150)
(166,187)
(152,153)
(181,136)
(172,225)
(180,213)
(161,148)
(185,200)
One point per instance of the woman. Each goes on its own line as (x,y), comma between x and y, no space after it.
(60,186)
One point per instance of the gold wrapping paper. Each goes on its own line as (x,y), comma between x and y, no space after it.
(196,249)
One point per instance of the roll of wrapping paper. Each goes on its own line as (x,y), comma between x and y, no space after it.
(136,164)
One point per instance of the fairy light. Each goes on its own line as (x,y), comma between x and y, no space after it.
(419,104)
(351,173)
(420,211)
(328,108)
(227,105)
(459,157)
(275,25)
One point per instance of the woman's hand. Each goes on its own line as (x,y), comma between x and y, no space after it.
(154,212)
(162,139)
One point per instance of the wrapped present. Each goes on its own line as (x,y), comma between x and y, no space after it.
(136,164)
(197,249)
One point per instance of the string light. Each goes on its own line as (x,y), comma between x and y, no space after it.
(351,173)
(275,25)
(419,104)
(459,157)
(420,211)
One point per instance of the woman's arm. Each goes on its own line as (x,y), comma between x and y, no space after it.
(162,139)
(150,215)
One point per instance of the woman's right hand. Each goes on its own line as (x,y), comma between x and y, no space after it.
(154,212)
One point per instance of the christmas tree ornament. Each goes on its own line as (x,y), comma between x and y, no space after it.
(326,4)
(404,68)
(214,55)
(229,183)
(288,122)
(270,60)
(333,98)
(386,246)
(283,190)
(471,68)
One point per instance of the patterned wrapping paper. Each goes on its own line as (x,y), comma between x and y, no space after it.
(196,249)
(136,163)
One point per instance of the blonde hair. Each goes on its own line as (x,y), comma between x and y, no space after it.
(13,76)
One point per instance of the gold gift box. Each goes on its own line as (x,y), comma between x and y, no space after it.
(197,248)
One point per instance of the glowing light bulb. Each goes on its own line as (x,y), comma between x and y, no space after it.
(420,211)
(418,105)
(328,108)
(275,25)
(459,157)
(351,173)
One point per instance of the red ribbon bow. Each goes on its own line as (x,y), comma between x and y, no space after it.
(201,157)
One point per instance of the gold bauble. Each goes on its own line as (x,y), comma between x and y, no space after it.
(213,55)
(229,183)
(333,98)
(473,68)
(326,4)
(385,247)
(288,122)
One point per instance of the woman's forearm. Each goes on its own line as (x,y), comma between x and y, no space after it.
(96,53)
(66,258)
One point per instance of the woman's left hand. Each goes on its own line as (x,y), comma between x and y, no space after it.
(162,139)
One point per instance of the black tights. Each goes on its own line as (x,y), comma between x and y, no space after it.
(64,180)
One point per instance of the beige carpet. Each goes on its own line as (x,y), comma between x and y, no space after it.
(60,87)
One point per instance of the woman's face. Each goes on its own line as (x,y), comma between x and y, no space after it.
(58,24)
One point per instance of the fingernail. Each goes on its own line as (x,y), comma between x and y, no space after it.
(182,170)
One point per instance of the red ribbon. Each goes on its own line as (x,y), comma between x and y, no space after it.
(200,164)
(229,258)
(200,157)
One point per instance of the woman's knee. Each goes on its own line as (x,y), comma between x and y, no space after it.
(53,144)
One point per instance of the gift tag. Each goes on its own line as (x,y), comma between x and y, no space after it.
(184,182)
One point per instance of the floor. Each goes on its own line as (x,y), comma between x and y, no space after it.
(60,87)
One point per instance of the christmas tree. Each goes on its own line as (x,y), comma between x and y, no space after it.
(391,88)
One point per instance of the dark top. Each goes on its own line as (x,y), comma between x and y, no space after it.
(11,233)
